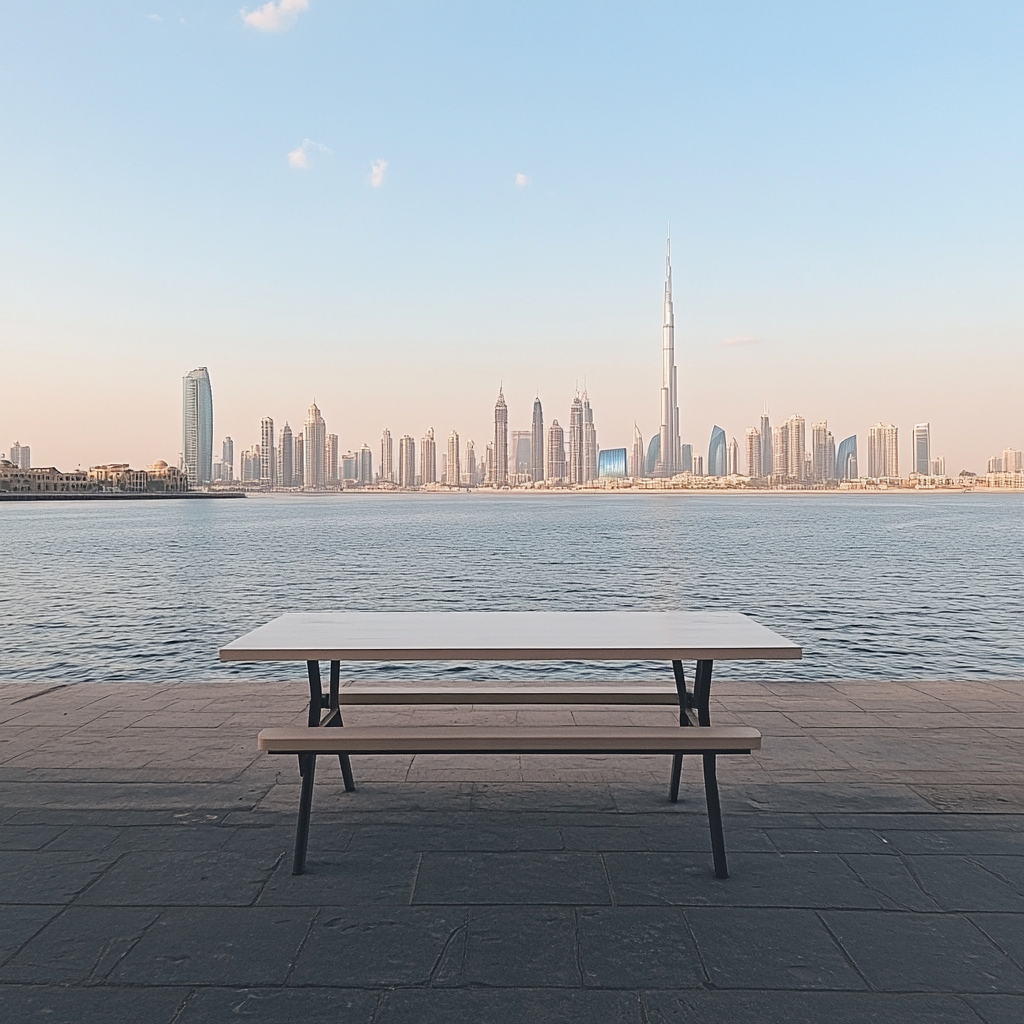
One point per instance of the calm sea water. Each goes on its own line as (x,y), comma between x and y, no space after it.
(872,586)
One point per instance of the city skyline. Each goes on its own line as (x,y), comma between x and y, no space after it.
(844,189)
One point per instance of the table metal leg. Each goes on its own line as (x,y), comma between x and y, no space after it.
(316,693)
(702,691)
(307,767)
(684,703)
(715,817)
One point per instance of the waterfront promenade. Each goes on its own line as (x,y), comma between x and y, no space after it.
(876,846)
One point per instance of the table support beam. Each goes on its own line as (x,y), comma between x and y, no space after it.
(318,700)
(684,703)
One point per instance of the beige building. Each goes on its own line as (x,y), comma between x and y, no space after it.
(40,480)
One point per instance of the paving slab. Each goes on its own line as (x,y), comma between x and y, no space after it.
(216,946)
(554,877)
(775,1007)
(508,947)
(279,1006)
(54,1004)
(82,945)
(924,952)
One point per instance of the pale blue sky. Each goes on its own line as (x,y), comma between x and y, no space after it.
(844,184)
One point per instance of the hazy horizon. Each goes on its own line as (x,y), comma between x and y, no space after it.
(395,210)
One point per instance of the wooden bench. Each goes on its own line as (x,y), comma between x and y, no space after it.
(708,741)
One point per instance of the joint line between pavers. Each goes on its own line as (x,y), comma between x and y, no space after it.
(842,949)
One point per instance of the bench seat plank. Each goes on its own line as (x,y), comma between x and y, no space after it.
(510,740)
(654,695)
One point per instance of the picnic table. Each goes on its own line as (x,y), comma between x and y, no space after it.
(402,637)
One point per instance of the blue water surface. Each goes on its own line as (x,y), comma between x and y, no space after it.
(878,586)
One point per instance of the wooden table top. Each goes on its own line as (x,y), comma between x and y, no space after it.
(510,636)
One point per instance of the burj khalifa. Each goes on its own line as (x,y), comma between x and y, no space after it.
(668,463)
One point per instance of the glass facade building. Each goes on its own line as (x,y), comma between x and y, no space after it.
(612,463)
(846,459)
(653,452)
(717,453)
(197,427)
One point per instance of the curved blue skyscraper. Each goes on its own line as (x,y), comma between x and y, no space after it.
(197,426)
(653,451)
(717,453)
(846,459)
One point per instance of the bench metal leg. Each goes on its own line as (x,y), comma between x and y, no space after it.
(715,817)
(673,782)
(684,703)
(307,766)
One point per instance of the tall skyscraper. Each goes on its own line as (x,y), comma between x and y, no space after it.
(500,475)
(454,467)
(923,449)
(387,468)
(883,452)
(755,463)
(668,448)
(299,461)
(766,444)
(406,461)
(796,447)
(823,452)
(470,469)
(555,454)
(636,455)
(428,458)
(653,452)
(268,456)
(331,454)
(314,476)
(939,466)
(286,457)
(780,451)
(227,458)
(686,459)
(365,466)
(197,427)
(846,459)
(537,441)
(717,455)
(520,454)
(732,461)
(590,449)
(489,464)
(576,441)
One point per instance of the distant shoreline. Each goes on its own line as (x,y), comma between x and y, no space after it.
(704,492)
(126,496)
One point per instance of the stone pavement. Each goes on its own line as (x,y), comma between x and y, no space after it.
(876,847)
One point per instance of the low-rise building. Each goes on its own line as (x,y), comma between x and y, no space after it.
(40,480)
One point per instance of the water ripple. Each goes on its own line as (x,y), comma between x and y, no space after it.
(887,586)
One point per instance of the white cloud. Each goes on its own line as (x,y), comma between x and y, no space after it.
(377,171)
(154,17)
(298,158)
(274,17)
(742,339)
(522,180)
